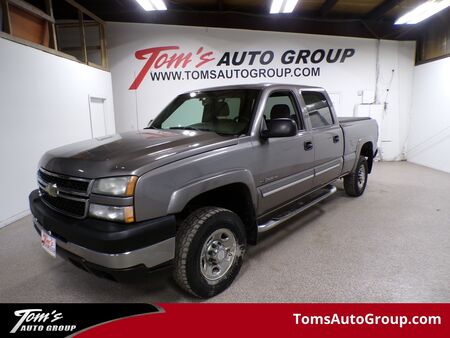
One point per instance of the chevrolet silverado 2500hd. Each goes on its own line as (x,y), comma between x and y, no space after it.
(213,170)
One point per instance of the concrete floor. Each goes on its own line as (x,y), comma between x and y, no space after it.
(390,245)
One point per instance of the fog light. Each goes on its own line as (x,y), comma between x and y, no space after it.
(112,213)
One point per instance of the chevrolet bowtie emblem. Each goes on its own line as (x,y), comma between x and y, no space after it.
(52,189)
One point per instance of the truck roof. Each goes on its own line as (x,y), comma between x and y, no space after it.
(257,86)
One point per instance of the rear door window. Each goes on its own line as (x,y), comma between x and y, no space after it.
(318,109)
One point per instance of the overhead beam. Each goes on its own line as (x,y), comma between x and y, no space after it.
(273,22)
(327,7)
(382,9)
(75,24)
(85,11)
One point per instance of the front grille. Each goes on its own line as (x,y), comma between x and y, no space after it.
(76,185)
(64,194)
(66,206)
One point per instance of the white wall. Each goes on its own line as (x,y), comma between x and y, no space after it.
(345,81)
(394,96)
(429,132)
(44,103)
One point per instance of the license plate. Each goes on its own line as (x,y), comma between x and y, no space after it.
(48,243)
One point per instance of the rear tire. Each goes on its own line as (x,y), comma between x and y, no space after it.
(355,182)
(210,246)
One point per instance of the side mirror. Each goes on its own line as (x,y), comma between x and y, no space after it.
(280,128)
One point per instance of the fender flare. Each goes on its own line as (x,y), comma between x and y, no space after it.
(361,142)
(181,197)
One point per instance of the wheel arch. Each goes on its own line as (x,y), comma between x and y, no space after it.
(234,191)
(365,148)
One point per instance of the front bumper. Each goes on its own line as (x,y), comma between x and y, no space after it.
(101,245)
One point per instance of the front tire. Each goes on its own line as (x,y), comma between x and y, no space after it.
(210,246)
(355,182)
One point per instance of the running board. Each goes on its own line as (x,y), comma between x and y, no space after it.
(330,190)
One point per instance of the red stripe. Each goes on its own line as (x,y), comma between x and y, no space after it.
(272,320)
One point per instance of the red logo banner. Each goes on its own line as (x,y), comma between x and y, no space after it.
(283,320)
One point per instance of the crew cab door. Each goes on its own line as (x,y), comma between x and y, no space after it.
(285,168)
(327,137)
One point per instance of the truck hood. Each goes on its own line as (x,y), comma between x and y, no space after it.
(131,153)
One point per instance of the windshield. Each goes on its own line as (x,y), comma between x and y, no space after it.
(227,112)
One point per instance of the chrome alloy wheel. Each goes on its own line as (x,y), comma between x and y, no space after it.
(218,254)
(361,179)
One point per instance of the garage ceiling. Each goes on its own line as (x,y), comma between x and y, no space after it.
(333,8)
(310,8)
(363,18)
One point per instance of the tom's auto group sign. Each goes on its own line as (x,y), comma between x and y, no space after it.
(171,63)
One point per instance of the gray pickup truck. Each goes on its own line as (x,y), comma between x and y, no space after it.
(214,169)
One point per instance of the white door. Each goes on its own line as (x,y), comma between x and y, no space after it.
(98,118)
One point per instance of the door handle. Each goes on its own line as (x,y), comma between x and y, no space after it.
(308,145)
(335,138)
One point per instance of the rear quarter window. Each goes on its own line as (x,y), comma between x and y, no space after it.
(318,109)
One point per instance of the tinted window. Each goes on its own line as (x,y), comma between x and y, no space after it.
(227,112)
(318,109)
(189,112)
(281,105)
(234,104)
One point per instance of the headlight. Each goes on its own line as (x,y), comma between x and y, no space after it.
(112,213)
(115,186)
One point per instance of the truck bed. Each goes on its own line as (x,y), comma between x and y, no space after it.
(357,131)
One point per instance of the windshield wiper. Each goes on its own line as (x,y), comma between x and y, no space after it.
(190,128)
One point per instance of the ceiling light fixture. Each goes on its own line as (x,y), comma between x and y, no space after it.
(283,6)
(423,11)
(152,5)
